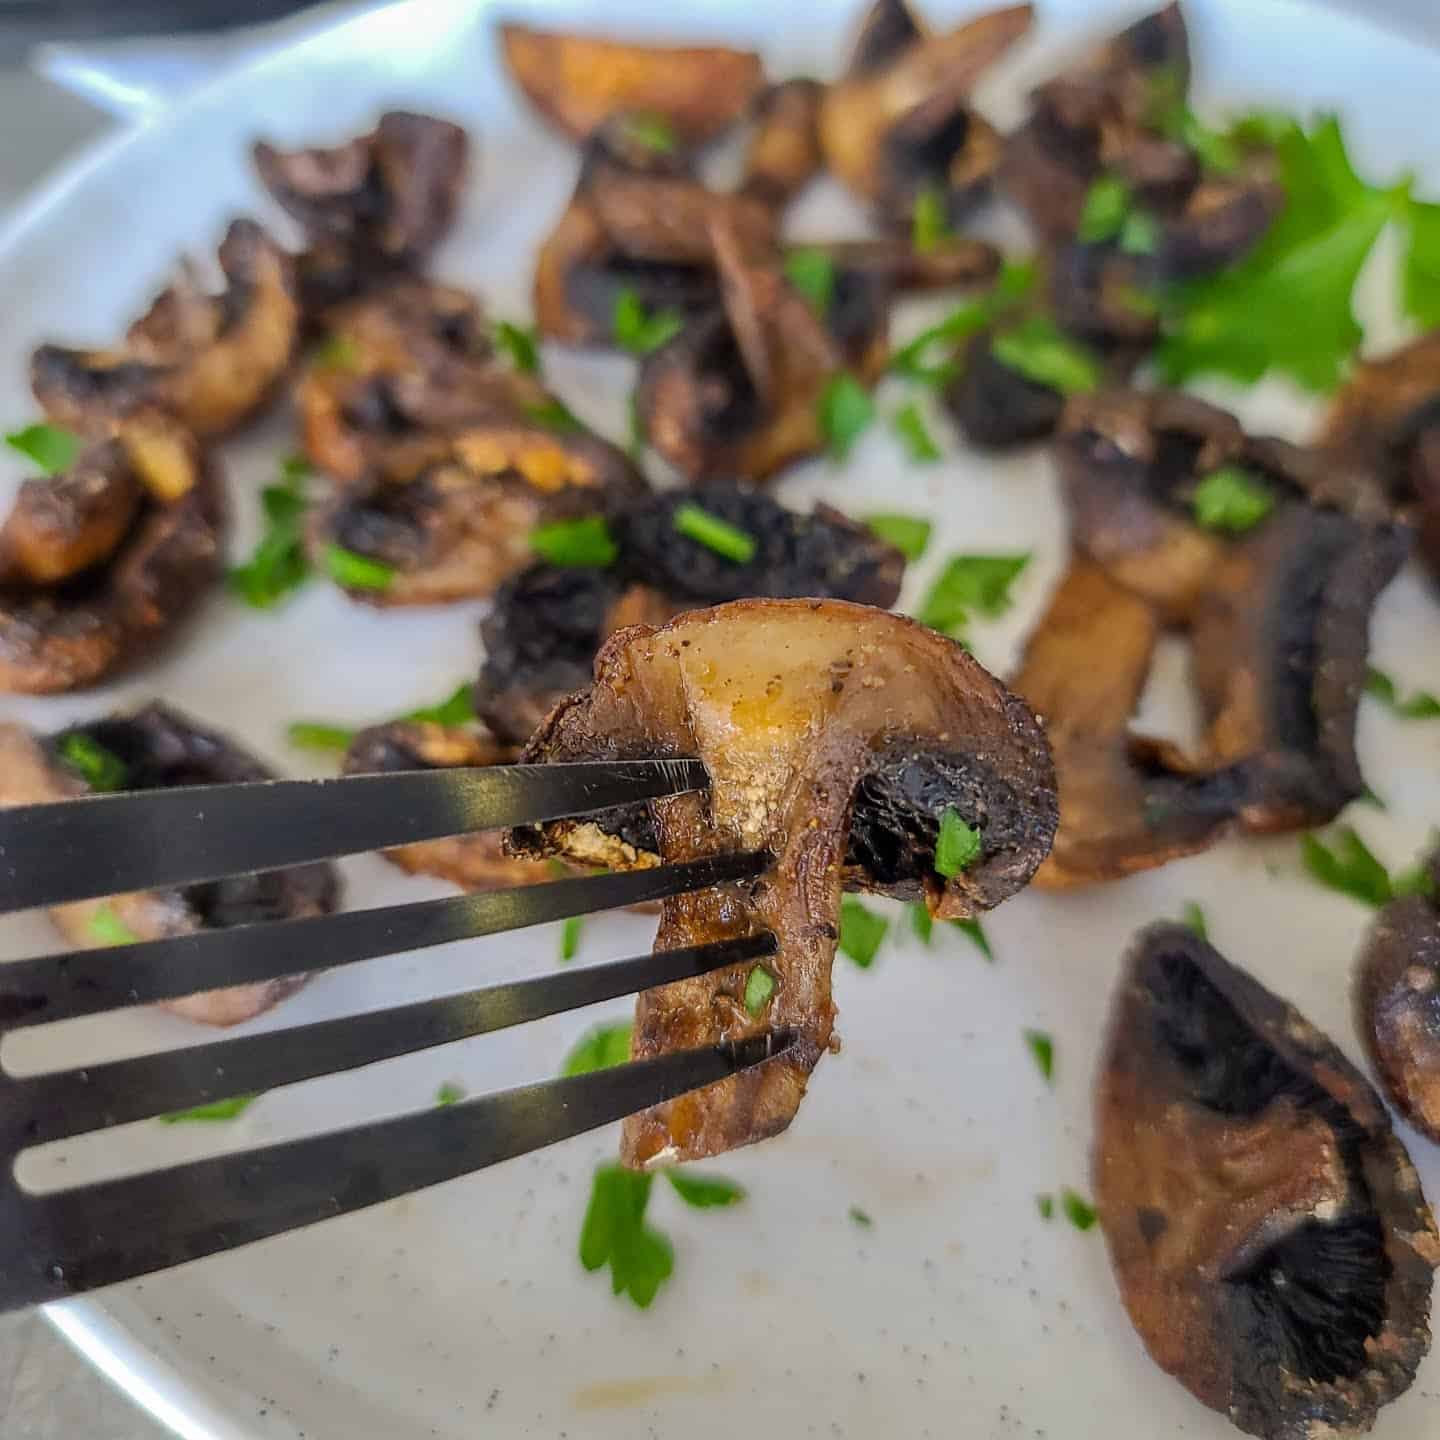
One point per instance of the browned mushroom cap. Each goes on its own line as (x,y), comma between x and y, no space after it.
(802,711)
(1126,804)
(1387,414)
(210,360)
(784,151)
(159,748)
(1397,1003)
(99,564)
(578,82)
(1267,1230)
(900,122)
(1280,638)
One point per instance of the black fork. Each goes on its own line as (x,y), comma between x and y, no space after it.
(72,1240)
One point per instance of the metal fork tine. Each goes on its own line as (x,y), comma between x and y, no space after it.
(73,1102)
(86,982)
(148,839)
(57,1245)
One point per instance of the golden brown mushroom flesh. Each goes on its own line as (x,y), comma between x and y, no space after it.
(1266,1228)
(899,123)
(160,748)
(578,82)
(783,154)
(1397,1001)
(99,564)
(211,361)
(826,728)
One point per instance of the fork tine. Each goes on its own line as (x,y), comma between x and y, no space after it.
(57,1106)
(148,839)
(61,1244)
(86,982)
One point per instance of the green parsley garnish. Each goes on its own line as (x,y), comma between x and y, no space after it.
(641,1259)
(278,563)
(1347,865)
(1192,917)
(339,352)
(598,1049)
(705,1192)
(1420,271)
(1416,880)
(449,1094)
(861,932)
(637,329)
(957,846)
(1107,204)
(570,937)
(652,131)
(1140,234)
(52,448)
(583,544)
(522,344)
(930,223)
(714,533)
(1232,499)
(909,425)
(1422,705)
(979,583)
(759,987)
(101,769)
(909,534)
(109,929)
(860,1217)
(921,921)
(353,571)
(457,708)
(975,932)
(1078,1211)
(638,436)
(912,359)
(1042,1048)
(554,414)
(306,735)
(1045,1204)
(215,1110)
(812,273)
(846,409)
(1038,350)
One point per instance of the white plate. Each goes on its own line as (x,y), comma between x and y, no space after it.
(464,1311)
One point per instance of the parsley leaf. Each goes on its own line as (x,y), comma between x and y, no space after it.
(705,1192)
(449,1094)
(1349,867)
(583,544)
(1078,1211)
(307,735)
(652,131)
(812,273)
(598,1049)
(614,1232)
(957,846)
(975,933)
(861,932)
(215,1110)
(909,534)
(1140,234)
(1042,1048)
(1038,350)
(698,524)
(637,329)
(52,448)
(553,414)
(1232,499)
(457,708)
(1045,1204)
(1107,204)
(1422,705)
(930,223)
(860,1217)
(759,987)
(353,571)
(101,769)
(570,937)
(912,359)
(846,409)
(971,582)
(1420,272)
(338,352)
(522,344)
(922,923)
(109,929)
(1192,917)
(278,563)
(909,425)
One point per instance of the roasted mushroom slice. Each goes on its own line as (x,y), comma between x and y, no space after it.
(152,749)
(1266,1228)
(99,564)
(900,124)
(1387,416)
(801,710)
(578,82)
(784,150)
(210,360)
(1126,804)
(1397,1001)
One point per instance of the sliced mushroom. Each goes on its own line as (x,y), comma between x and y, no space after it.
(210,360)
(1267,1230)
(802,710)
(900,122)
(1387,415)
(99,564)
(1397,1002)
(784,151)
(1126,803)
(578,82)
(159,748)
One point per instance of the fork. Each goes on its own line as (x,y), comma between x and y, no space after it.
(64,1242)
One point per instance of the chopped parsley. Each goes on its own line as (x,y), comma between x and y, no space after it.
(583,544)
(215,1110)
(109,929)
(654,132)
(909,425)
(1107,204)
(614,1233)
(975,933)
(1415,880)
(599,1049)
(913,358)
(860,1217)
(1232,499)
(1078,1211)
(457,708)
(1348,866)
(922,923)
(1042,1050)
(51,447)
(278,564)
(846,410)
(705,1192)
(554,414)
(101,769)
(521,343)
(570,937)
(308,735)
(637,329)
(636,441)
(909,534)
(449,1094)
(714,533)
(1420,271)
(971,582)
(353,571)
(812,273)
(1038,350)
(957,846)
(1140,234)
(1045,1204)
(930,223)
(339,352)
(862,932)
(1192,917)
(1421,705)
(759,987)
